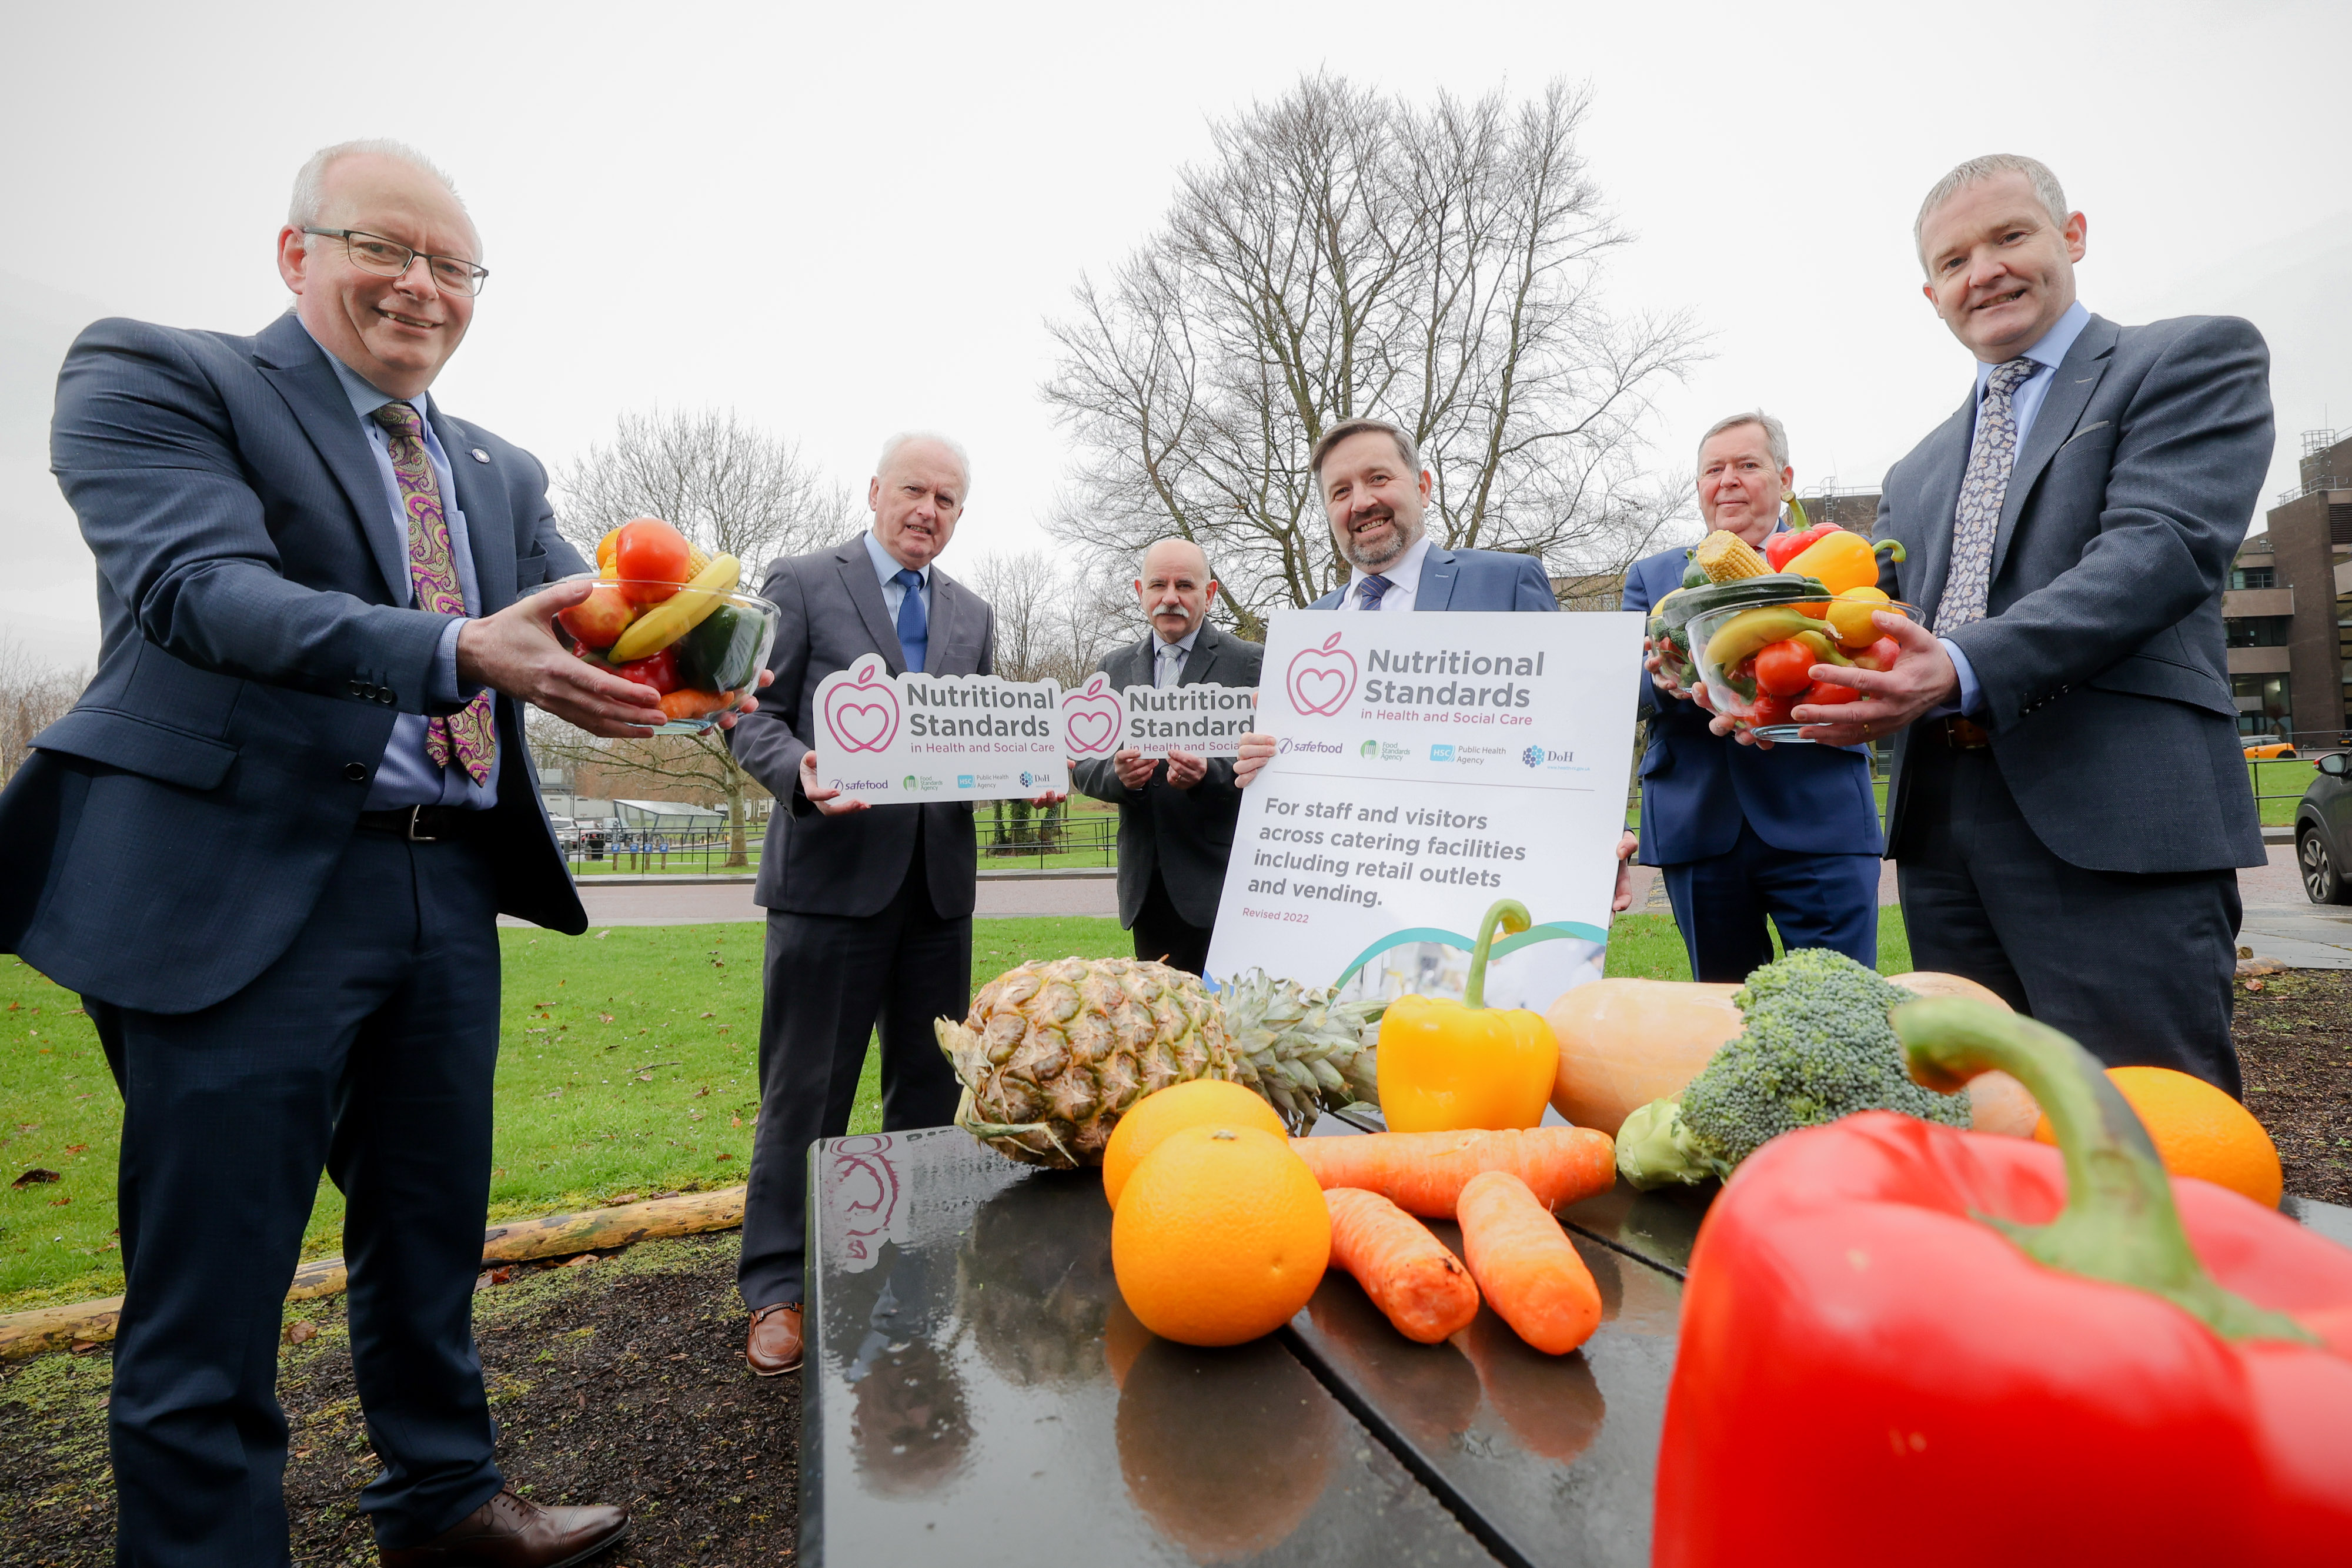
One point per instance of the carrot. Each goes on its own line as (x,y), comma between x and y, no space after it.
(1424,1173)
(1408,1273)
(687,703)
(1526,1265)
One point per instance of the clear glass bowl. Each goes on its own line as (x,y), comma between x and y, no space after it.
(1724,644)
(701,649)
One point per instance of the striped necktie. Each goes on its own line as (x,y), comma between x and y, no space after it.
(468,734)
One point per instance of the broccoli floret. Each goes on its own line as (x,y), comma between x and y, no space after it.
(1817,1046)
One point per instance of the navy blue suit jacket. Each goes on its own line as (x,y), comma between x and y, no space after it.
(1697,787)
(1472,579)
(170,834)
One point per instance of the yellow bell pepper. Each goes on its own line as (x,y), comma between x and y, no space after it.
(1850,612)
(1842,560)
(1446,1065)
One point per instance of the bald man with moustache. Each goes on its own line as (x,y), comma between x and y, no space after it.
(1175,817)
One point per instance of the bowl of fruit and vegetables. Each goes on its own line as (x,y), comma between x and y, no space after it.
(666,615)
(1755,634)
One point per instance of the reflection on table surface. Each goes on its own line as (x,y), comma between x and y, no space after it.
(976,1393)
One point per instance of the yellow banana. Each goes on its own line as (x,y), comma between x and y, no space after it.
(1733,641)
(674,617)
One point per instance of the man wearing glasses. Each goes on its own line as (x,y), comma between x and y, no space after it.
(268,847)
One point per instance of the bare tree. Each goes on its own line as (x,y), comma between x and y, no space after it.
(695,764)
(1054,618)
(727,484)
(1345,253)
(34,695)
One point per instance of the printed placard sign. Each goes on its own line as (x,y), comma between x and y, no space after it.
(1205,720)
(1427,766)
(887,739)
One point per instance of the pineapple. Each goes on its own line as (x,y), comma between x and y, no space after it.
(1055,1052)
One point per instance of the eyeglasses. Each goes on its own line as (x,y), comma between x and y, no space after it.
(390,258)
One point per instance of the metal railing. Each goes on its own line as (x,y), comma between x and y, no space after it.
(592,851)
(1063,838)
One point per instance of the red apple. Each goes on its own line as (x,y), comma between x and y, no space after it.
(599,620)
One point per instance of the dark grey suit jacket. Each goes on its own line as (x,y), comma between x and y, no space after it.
(1187,834)
(853,864)
(174,831)
(2100,658)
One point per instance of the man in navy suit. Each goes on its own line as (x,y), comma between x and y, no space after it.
(1376,494)
(1741,833)
(269,845)
(2070,801)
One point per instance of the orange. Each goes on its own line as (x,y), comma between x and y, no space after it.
(2198,1131)
(1191,1105)
(1220,1237)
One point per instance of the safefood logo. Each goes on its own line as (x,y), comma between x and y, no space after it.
(1321,680)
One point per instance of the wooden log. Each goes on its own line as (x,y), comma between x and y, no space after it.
(511,1241)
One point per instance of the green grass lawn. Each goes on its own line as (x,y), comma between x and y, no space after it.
(2277,787)
(627,1066)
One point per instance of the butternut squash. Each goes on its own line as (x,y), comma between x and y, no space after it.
(1997,1102)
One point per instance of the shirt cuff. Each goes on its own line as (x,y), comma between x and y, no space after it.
(1972,697)
(443,687)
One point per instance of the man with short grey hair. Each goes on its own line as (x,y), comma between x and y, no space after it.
(269,847)
(2069,802)
(1743,838)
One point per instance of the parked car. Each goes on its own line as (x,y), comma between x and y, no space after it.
(2269,748)
(2323,832)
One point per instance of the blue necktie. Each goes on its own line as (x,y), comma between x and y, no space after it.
(914,626)
(1370,591)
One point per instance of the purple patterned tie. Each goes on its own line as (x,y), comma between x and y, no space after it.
(1977,521)
(468,732)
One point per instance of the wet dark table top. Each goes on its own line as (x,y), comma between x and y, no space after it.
(976,1393)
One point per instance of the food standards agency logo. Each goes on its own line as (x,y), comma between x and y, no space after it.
(907,782)
(1372,748)
(1532,756)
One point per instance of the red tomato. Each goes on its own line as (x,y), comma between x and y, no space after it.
(659,671)
(1784,668)
(650,558)
(1769,710)
(1879,655)
(1825,694)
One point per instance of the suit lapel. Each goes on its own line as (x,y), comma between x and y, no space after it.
(2070,386)
(489,524)
(1435,590)
(865,592)
(298,369)
(947,610)
(1939,501)
(1203,656)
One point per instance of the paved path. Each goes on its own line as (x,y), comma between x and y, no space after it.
(695,904)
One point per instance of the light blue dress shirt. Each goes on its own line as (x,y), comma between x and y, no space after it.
(894,592)
(2023,404)
(1167,669)
(406,777)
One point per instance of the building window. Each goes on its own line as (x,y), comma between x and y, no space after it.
(2254,576)
(2256,631)
(2262,705)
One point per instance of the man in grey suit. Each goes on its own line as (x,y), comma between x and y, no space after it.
(2069,800)
(1376,494)
(1175,819)
(869,909)
(269,846)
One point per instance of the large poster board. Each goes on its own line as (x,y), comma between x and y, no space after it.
(1427,766)
(889,739)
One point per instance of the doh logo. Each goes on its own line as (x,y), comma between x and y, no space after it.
(861,714)
(1321,680)
(1092,719)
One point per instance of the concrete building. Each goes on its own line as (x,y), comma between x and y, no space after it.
(2288,608)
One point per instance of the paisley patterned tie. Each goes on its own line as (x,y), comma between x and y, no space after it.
(1977,520)
(469,734)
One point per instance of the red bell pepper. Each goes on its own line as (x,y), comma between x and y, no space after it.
(1789,543)
(1906,1343)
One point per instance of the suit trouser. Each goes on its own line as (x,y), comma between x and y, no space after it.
(831,981)
(367,1049)
(2136,965)
(1163,934)
(1815,900)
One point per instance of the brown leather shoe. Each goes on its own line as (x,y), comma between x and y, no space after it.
(510,1532)
(774,1346)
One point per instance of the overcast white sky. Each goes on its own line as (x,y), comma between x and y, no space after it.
(846,220)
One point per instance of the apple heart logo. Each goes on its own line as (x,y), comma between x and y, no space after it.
(1322,679)
(1092,719)
(862,715)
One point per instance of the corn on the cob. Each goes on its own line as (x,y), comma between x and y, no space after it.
(1725,557)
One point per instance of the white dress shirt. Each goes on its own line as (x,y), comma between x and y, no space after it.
(1403,575)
